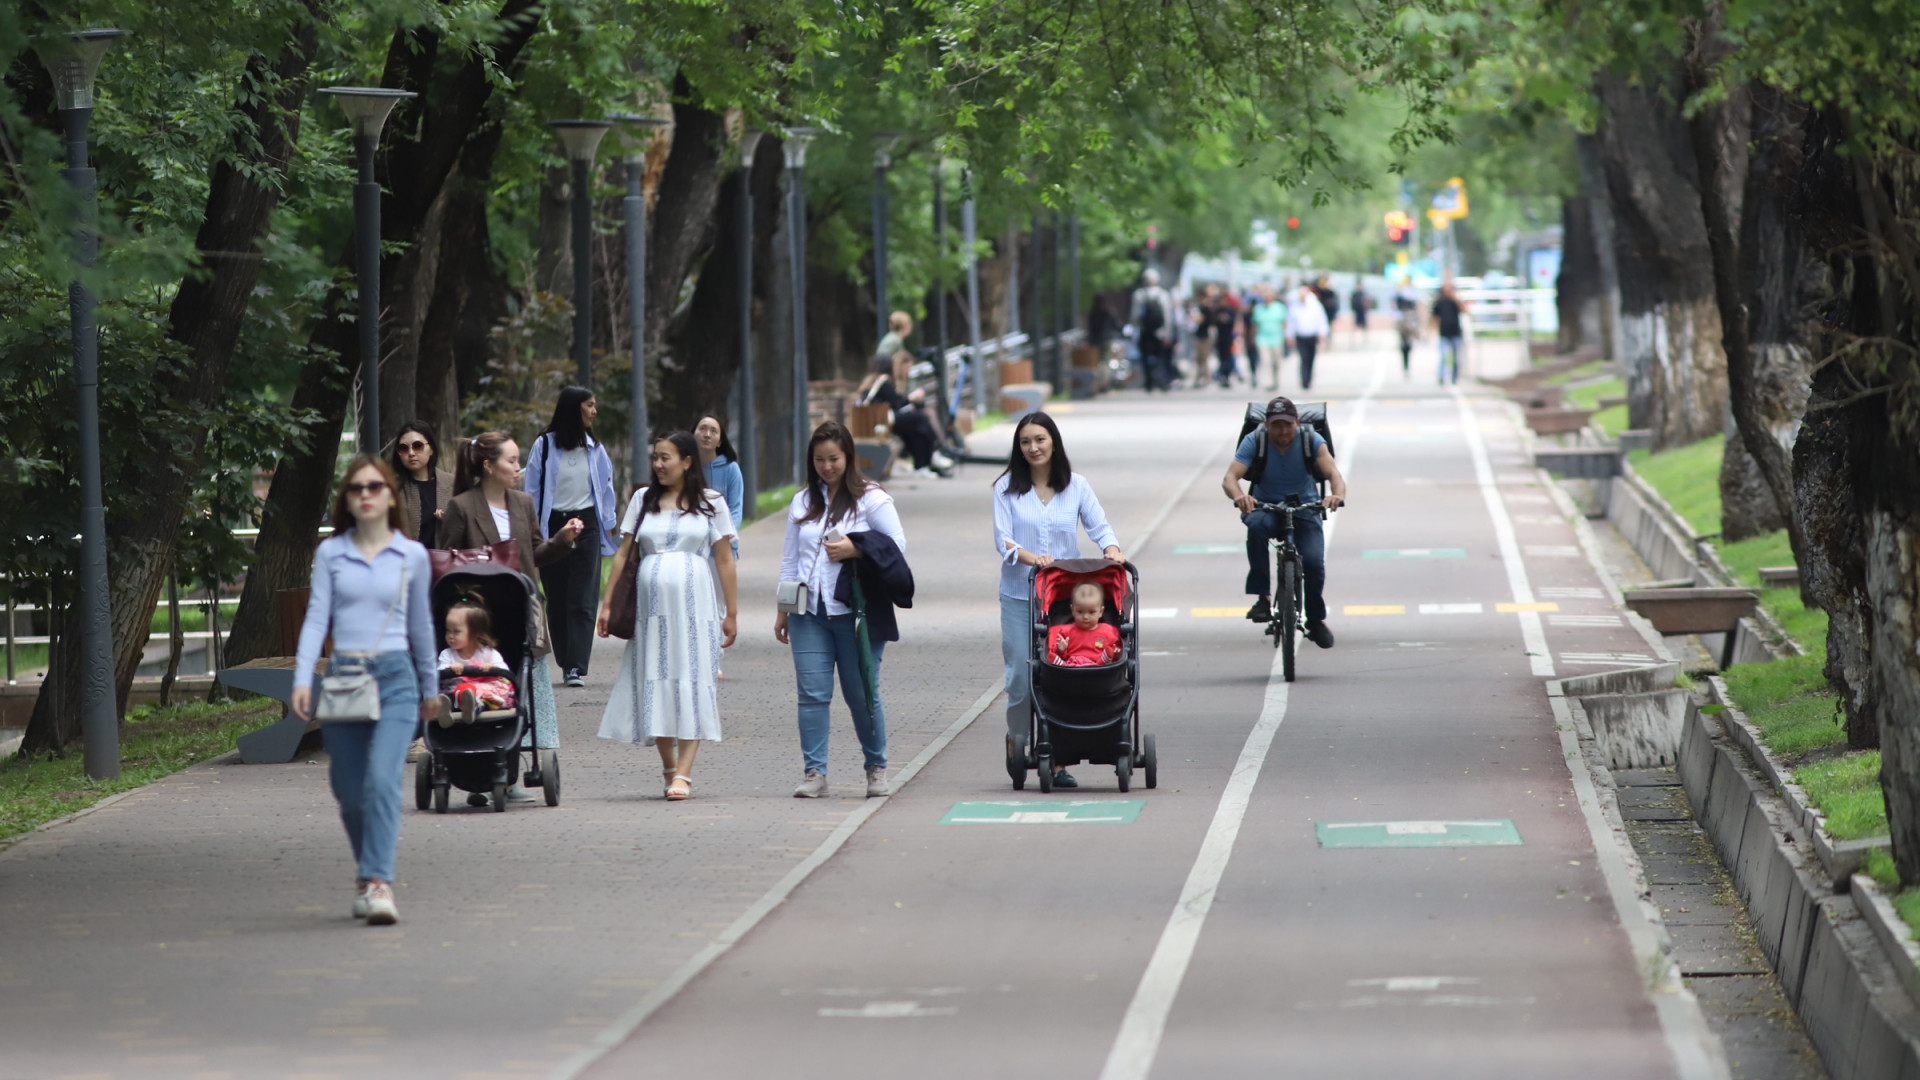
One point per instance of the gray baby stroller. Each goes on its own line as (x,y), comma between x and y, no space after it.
(484,756)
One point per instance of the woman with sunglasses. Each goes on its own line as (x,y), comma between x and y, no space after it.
(370,592)
(427,488)
(487,509)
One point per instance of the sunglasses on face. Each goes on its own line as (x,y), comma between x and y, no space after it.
(413,447)
(371,487)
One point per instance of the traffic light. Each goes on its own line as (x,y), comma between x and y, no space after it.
(1293,223)
(1399,228)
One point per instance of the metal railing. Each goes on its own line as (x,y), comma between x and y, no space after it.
(211,604)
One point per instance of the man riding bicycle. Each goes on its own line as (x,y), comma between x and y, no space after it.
(1289,450)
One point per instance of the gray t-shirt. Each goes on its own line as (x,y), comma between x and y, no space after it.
(1286,473)
(572,480)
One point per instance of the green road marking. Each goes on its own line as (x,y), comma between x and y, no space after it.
(1209,549)
(1076,812)
(1414,553)
(1495,833)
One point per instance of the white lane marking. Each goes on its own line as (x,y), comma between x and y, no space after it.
(1138,1042)
(1583,620)
(1604,659)
(1552,551)
(1416,983)
(1570,592)
(891,1010)
(1532,633)
(1146,534)
(1451,609)
(628,1022)
(1159,612)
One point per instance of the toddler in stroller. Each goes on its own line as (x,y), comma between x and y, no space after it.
(470,650)
(1086,641)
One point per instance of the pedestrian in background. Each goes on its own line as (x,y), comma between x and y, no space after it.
(899,328)
(1039,504)
(487,510)
(1329,303)
(835,501)
(720,464)
(1269,335)
(1152,316)
(370,593)
(1310,324)
(1446,321)
(1361,304)
(667,693)
(1407,321)
(428,488)
(1223,318)
(570,478)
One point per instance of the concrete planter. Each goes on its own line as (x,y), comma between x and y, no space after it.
(1693,610)
(1557,421)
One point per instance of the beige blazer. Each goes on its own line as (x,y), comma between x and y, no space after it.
(410,499)
(469,524)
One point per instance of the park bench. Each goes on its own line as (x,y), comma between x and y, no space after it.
(1696,610)
(1557,421)
(269,676)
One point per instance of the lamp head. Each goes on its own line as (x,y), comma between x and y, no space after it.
(637,133)
(581,138)
(795,144)
(749,145)
(72,60)
(883,144)
(367,107)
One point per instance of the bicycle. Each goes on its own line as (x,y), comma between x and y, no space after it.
(1287,618)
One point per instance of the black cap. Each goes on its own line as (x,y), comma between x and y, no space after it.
(1281,407)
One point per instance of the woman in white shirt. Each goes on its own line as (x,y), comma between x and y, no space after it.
(1038,506)
(837,500)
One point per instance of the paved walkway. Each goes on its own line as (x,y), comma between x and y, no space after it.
(198,928)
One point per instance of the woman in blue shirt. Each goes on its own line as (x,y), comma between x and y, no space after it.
(370,589)
(1038,503)
(720,463)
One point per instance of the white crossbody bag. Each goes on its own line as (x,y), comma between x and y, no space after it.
(350,694)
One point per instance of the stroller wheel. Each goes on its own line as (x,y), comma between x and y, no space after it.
(1123,769)
(550,776)
(1017,761)
(499,798)
(423,782)
(1044,768)
(440,798)
(1150,762)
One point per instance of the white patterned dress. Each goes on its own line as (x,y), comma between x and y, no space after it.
(674,656)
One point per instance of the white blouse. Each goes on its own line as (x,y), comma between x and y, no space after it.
(802,558)
(1023,521)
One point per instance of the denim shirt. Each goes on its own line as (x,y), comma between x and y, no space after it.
(1044,528)
(351,596)
(543,474)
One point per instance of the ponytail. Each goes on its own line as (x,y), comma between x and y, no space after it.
(474,456)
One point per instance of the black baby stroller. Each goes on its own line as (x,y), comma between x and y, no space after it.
(484,756)
(1089,714)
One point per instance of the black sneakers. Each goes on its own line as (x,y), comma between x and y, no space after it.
(1261,611)
(1318,633)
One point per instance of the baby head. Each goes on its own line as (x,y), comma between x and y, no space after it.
(1088,605)
(468,627)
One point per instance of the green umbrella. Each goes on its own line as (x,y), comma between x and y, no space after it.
(868,679)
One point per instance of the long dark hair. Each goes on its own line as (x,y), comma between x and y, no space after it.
(693,486)
(1020,475)
(343,519)
(479,622)
(725,449)
(568,432)
(475,454)
(433,447)
(852,484)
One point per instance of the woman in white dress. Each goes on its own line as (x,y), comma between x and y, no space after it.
(667,692)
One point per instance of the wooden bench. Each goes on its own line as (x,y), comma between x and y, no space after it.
(1696,610)
(1557,421)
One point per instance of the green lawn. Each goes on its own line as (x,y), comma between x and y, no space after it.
(775,500)
(1688,477)
(154,742)
(1847,790)
(1612,419)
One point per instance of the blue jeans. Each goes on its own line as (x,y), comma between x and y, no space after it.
(1015,642)
(1267,525)
(1449,360)
(367,765)
(819,643)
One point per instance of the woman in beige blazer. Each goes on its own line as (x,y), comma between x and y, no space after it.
(485,510)
(416,460)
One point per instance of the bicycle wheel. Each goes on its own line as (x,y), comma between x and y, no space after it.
(1286,615)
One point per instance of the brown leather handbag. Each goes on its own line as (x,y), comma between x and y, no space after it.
(623,600)
(505,553)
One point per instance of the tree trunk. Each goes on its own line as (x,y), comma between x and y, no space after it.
(1579,289)
(1593,183)
(206,317)
(1669,321)
(425,138)
(683,224)
(469,294)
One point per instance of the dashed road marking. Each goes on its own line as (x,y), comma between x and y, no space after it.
(1526,609)
(1210,549)
(1217,612)
(1583,620)
(1591,659)
(1414,553)
(1451,609)
(1159,612)
(1374,609)
(1552,551)
(1571,592)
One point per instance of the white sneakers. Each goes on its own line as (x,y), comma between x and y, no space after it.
(812,786)
(877,784)
(380,907)
(942,461)
(360,898)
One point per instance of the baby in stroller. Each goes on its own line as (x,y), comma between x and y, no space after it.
(1086,641)
(470,650)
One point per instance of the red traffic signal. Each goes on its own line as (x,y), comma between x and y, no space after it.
(1399,226)
(1293,223)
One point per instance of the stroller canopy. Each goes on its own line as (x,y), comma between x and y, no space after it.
(1053,584)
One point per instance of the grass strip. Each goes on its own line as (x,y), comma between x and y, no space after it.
(1688,478)
(775,499)
(1790,702)
(1847,791)
(154,742)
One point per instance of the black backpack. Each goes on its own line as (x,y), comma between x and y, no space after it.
(1313,414)
(1152,316)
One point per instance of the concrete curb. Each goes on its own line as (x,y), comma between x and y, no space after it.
(1848,990)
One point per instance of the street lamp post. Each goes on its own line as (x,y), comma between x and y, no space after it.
(1042,361)
(367,108)
(581,138)
(795,148)
(634,140)
(968,237)
(749,407)
(1061,317)
(883,144)
(72,62)
(940,295)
